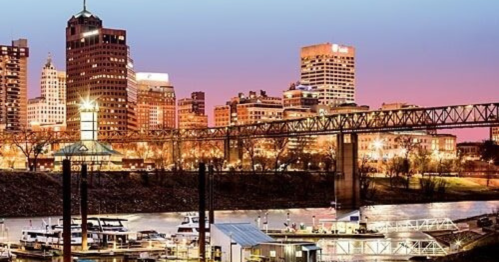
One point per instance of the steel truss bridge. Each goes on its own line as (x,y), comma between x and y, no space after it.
(430,118)
(384,247)
(433,224)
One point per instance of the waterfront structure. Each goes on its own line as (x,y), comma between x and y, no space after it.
(49,110)
(14,85)
(330,69)
(89,150)
(254,108)
(99,66)
(191,112)
(156,102)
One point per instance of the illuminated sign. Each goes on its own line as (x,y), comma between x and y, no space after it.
(339,49)
(90,33)
(160,77)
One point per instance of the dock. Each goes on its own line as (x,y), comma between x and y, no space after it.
(322,235)
(133,252)
(39,255)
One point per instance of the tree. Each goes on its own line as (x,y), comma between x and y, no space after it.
(249,146)
(490,151)
(278,147)
(422,160)
(32,143)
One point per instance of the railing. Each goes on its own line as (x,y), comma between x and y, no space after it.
(433,224)
(383,247)
(445,117)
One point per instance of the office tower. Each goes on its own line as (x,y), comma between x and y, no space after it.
(156,102)
(49,110)
(191,112)
(329,68)
(13,85)
(99,67)
(254,108)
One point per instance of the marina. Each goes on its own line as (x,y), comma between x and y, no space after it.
(157,235)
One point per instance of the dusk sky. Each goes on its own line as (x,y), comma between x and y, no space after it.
(428,53)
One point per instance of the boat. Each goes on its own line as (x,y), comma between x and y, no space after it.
(50,237)
(6,254)
(189,227)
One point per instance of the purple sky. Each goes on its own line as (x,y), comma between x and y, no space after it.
(428,53)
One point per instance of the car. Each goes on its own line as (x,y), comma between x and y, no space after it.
(484,222)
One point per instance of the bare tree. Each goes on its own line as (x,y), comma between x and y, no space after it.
(249,146)
(32,143)
(422,160)
(278,146)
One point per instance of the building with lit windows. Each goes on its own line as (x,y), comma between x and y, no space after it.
(191,112)
(13,85)
(99,67)
(156,102)
(251,109)
(386,146)
(494,134)
(49,110)
(329,68)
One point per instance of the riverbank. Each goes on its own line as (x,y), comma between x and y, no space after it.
(40,194)
(457,189)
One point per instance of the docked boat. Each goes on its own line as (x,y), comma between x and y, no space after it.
(189,227)
(6,254)
(50,236)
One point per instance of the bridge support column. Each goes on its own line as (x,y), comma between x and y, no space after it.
(233,150)
(347,184)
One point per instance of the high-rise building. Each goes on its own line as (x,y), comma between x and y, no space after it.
(156,102)
(14,85)
(254,108)
(99,67)
(49,110)
(191,112)
(329,68)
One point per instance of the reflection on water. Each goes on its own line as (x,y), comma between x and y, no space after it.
(167,222)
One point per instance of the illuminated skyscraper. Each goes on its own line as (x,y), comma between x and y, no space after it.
(156,102)
(13,84)
(191,112)
(99,67)
(329,68)
(49,110)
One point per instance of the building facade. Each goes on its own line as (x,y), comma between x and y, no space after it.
(49,110)
(99,68)
(191,112)
(385,146)
(329,68)
(156,102)
(14,85)
(494,134)
(251,109)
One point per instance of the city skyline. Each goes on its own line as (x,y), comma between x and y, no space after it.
(433,67)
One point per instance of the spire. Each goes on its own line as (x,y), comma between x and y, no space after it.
(49,60)
(84,5)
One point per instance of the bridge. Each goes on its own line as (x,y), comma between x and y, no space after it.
(431,224)
(402,248)
(346,127)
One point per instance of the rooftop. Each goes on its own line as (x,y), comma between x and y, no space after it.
(244,234)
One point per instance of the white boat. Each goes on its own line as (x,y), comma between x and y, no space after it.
(189,227)
(50,237)
(6,254)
